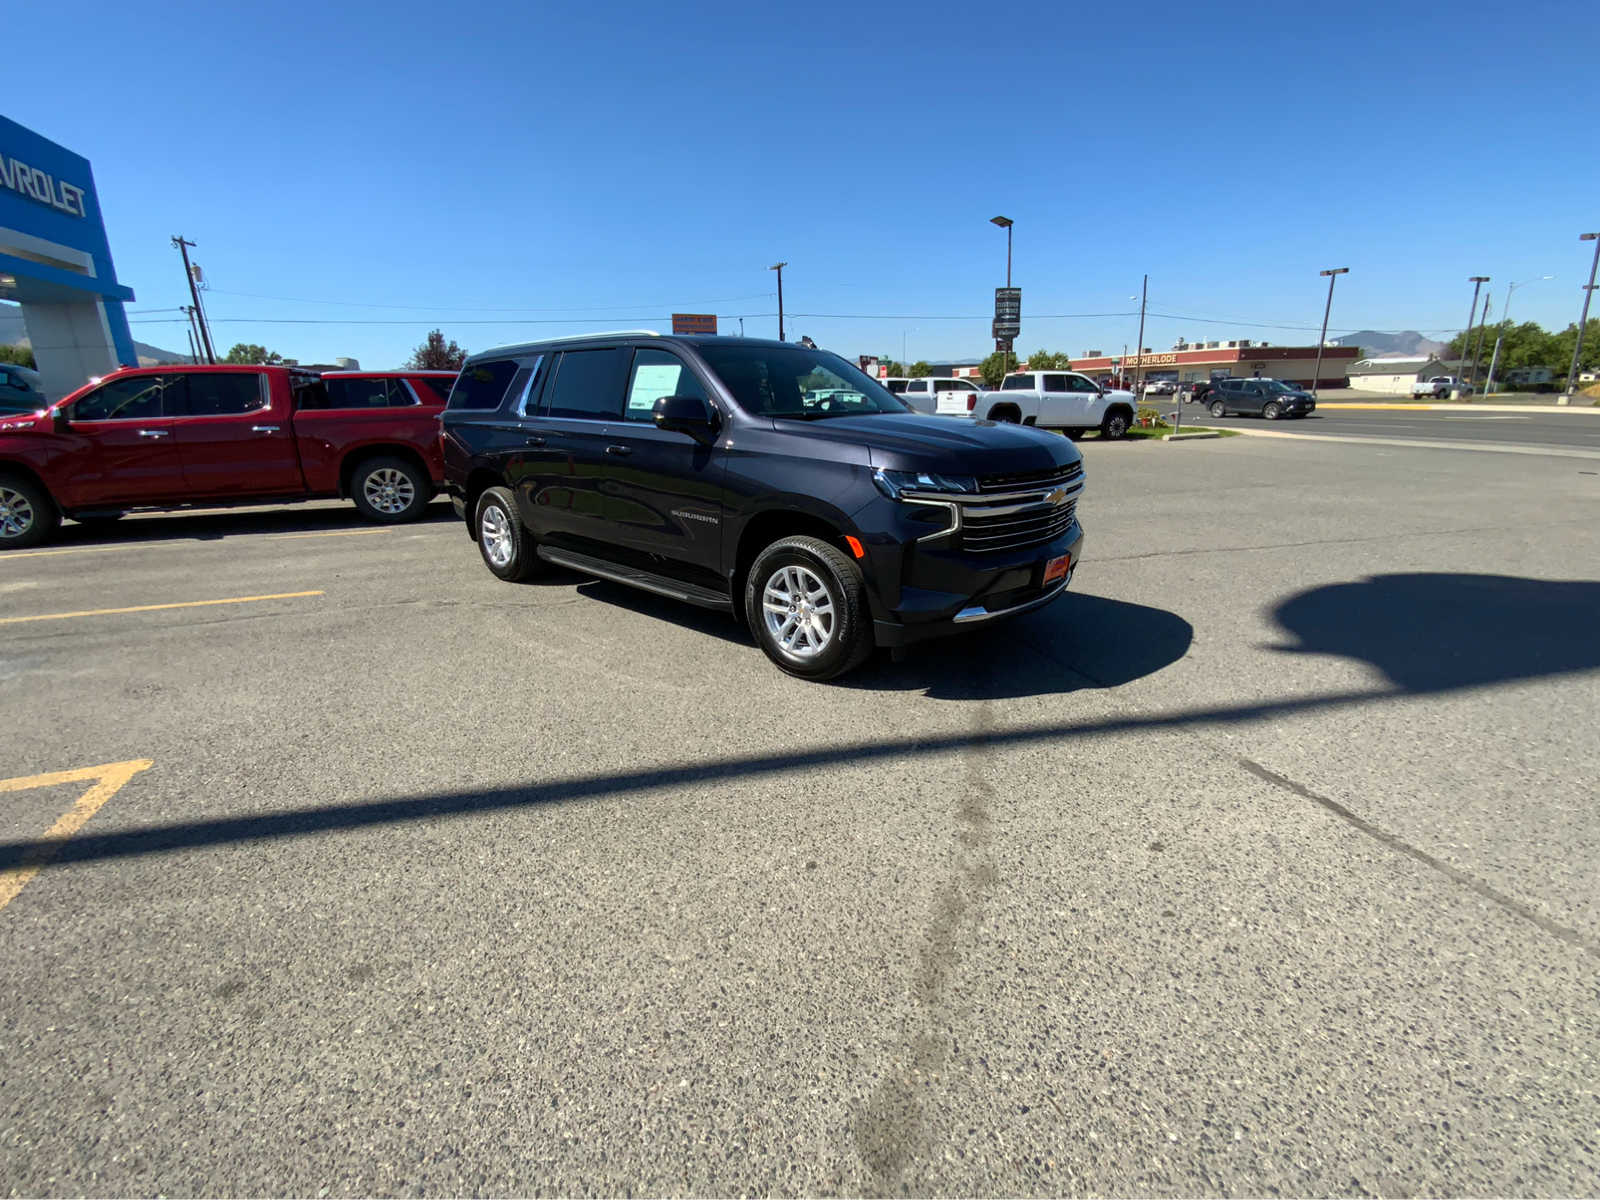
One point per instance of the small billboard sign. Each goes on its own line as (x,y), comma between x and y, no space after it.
(694,323)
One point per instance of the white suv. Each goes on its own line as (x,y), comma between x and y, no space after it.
(948,397)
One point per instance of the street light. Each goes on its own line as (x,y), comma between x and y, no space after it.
(1316,372)
(1505,321)
(1588,291)
(1477,281)
(778,267)
(1005,223)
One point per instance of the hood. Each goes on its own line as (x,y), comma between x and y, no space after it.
(959,445)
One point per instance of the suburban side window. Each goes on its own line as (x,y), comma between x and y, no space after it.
(656,374)
(215,395)
(588,383)
(482,385)
(136,399)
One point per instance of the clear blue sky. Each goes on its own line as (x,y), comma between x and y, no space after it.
(480,167)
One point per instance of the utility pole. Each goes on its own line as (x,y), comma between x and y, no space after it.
(778,267)
(194,334)
(194,292)
(1477,345)
(1138,375)
(1588,293)
(1505,324)
(1316,372)
(1477,282)
(193,355)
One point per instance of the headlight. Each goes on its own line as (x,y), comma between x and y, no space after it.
(893,483)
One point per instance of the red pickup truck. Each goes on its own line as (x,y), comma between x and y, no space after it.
(164,437)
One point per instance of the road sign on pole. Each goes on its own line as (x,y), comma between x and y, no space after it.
(1007,312)
(694,323)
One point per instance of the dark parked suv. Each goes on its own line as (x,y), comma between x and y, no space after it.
(769,480)
(1269,398)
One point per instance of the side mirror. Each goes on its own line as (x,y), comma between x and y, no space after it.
(686,414)
(58,419)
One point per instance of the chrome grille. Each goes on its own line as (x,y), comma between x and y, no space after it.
(1027,481)
(1033,526)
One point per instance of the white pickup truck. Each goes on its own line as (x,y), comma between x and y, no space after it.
(1439,387)
(1058,400)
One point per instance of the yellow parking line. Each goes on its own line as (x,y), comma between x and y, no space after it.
(112,612)
(109,778)
(77,550)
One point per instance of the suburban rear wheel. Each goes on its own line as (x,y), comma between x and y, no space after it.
(1271,411)
(507,549)
(807,605)
(390,490)
(27,514)
(1115,425)
(1218,409)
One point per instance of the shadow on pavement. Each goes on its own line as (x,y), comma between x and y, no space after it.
(1427,633)
(216,524)
(1438,632)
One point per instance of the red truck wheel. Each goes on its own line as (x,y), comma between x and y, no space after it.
(27,514)
(390,490)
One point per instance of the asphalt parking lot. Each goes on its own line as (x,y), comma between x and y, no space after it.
(1578,429)
(1263,864)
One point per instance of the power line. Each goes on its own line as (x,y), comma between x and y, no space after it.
(449,309)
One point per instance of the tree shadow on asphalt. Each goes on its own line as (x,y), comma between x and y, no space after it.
(1427,633)
(212,525)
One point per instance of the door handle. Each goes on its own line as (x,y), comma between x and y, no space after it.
(153,433)
(535,440)
(619,450)
(263,429)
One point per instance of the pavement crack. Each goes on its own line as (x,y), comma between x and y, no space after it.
(890,1131)
(1511,905)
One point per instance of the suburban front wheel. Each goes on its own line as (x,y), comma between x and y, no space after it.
(503,541)
(390,490)
(27,514)
(807,605)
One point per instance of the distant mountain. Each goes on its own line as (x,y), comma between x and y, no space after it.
(1372,343)
(13,332)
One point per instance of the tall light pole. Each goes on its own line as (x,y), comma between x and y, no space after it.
(1316,372)
(778,267)
(1477,281)
(1588,291)
(1505,321)
(1138,374)
(1005,223)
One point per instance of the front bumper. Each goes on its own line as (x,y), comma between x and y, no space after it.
(991,591)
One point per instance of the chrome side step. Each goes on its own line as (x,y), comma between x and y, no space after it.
(647,581)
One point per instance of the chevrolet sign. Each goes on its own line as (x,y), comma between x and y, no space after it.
(41,187)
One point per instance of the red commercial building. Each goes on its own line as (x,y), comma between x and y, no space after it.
(1189,362)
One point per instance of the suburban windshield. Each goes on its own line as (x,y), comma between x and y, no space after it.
(797,384)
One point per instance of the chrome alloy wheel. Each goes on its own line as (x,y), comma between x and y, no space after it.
(389,491)
(16,514)
(798,610)
(494,531)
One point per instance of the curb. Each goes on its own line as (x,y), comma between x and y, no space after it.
(1507,408)
(1425,444)
(1189,437)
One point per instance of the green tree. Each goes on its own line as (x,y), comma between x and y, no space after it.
(435,354)
(896,370)
(22,356)
(1044,360)
(252,355)
(1591,346)
(995,368)
(919,370)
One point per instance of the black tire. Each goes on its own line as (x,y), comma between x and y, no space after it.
(1271,411)
(1218,409)
(506,546)
(1006,415)
(389,490)
(1114,427)
(1075,434)
(27,514)
(847,637)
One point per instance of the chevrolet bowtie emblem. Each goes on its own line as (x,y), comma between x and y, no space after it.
(1059,496)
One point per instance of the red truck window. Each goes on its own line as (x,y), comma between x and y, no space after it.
(138,398)
(368,393)
(217,394)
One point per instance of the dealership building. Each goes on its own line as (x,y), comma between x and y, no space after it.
(55,262)
(1189,362)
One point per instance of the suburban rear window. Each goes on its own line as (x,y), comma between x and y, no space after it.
(482,385)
